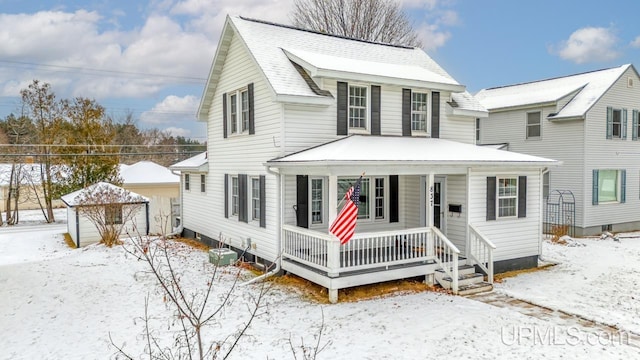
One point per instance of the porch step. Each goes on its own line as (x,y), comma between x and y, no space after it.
(462,270)
(475,288)
(463,279)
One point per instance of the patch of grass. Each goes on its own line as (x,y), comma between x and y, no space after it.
(500,277)
(69,241)
(319,294)
(193,243)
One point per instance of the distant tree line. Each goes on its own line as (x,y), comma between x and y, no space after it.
(56,146)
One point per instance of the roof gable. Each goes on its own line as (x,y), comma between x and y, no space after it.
(588,88)
(265,43)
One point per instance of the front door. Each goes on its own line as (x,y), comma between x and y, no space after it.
(438,203)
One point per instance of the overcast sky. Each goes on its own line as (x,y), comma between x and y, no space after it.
(152,57)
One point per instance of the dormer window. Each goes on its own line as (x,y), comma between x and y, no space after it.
(357,107)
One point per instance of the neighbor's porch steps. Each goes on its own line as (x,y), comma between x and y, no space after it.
(469,281)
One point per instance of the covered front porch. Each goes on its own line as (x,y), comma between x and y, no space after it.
(416,217)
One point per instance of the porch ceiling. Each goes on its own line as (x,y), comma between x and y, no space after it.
(413,154)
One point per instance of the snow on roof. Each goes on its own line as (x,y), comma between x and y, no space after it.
(589,87)
(147,172)
(467,104)
(194,163)
(75,198)
(265,42)
(400,149)
(29,173)
(394,73)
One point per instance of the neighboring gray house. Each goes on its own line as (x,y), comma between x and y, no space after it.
(588,121)
(294,116)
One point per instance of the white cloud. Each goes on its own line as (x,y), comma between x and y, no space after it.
(176,131)
(636,42)
(590,44)
(172,110)
(431,36)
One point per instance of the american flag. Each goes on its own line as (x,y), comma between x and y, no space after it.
(344,225)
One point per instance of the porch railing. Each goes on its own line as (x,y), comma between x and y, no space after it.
(446,255)
(481,251)
(364,251)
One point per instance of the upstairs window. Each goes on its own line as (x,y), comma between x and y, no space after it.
(203,182)
(187,185)
(419,111)
(238,112)
(616,123)
(534,126)
(357,107)
(477,130)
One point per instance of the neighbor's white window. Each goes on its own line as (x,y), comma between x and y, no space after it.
(534,125)
(507,196)
(238,111)
(316,201)
(255,198)
(419,111)
(187,185)
(608,186)
(477,130)
(235,201)
(203,182)
(545,184)
(357,107)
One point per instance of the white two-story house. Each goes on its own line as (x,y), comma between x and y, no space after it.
(294,117)
(589,121)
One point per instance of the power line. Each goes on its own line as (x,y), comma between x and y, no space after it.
(106,71)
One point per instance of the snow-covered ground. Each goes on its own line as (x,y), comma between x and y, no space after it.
(58,303)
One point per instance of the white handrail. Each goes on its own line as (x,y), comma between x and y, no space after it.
(481,251)
(446,256)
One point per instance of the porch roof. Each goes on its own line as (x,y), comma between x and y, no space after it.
(399,150)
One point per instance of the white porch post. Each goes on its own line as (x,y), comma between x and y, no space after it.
(429,278)
(333,247)
(467,247)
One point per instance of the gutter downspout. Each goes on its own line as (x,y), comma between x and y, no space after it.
(280,191)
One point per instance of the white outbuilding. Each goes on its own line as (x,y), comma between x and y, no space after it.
(81,228)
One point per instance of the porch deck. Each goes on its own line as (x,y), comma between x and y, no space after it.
(373,257)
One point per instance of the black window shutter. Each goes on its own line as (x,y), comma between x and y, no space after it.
(522,196)
(343,94)
(406,112)
(242,198)
(435,114)
(263,207)
(491,198)
(226,196)
(393,198)
(252,124)
(224,115)
(375,110)
(302,201)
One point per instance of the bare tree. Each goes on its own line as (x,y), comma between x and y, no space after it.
(193,311)
(109,208)
(372,20)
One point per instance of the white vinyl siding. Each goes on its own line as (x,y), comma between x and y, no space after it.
(615,155)
(514,237)
(239,155)
(563,141)
(89,233)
